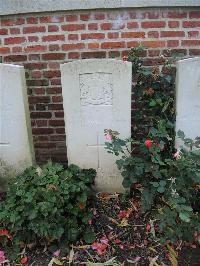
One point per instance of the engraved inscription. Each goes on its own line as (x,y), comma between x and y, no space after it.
(96,88)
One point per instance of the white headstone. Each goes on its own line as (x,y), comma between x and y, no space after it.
(96,96)
(188,98)
(16,146)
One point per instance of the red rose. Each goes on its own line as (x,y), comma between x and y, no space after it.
(24,260)
(148,227)
(125,58)
(148,143)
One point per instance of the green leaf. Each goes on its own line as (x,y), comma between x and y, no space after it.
(185,217)
(89,236)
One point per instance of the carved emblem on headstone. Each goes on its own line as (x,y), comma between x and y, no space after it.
(96,88)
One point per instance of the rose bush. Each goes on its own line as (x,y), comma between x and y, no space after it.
(168,180)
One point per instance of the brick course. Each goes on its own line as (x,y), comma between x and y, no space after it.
(41,42)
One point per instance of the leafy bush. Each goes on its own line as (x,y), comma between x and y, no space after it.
(149,163)
(45,204)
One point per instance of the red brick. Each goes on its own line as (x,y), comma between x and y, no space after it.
(172,34)
(59,114)
(153,24)
(74,55)
(106,26)
(54,47)
(34,57)
(191,24)
(51,74)
(96,54)
(38,99)
(54,65)
(42,131)
(87,36)
(99,16)
(35,48)
(54,90)
(34,29)
(92,26)
(153,44)
(17,49)
(73,27)
(56,81)
(193,34)
(4,50)
(73,37)
(175,14)
(133,34)
(71,18)
(36,65)
(132,25)
(194,14)
(53,56)
(31,20)
(33,38)
(14,31)
(58,138)
(153,34)
(35,115)
(57,99)
(3,31)
(113,54)
(15,58)
(55,106)
(172,43)
(60,130)
(173,24)
(14,40)
(194,52)
(12,22)
(41,123)
(73,46)
(154,53)
(153,14)
(84,17)
(56,123)
(132,44)
(53,18)
(36,74)
(37,82)
(190,42)
(111,45)
(53,28)
(53,38)
(40,106)
(38,90)
(93,45)
(113,35)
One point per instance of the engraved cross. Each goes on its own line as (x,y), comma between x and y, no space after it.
(98,145)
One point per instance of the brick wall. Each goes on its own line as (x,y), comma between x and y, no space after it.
(41,42)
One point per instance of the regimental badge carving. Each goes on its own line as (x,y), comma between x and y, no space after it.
(96,88)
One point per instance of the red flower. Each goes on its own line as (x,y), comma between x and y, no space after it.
(4,232)
(24,260)
(148,143)
(125,58)
(100,248)
(148,227)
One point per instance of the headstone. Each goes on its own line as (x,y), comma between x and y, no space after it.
(96,96)
(16,146)
(188,98)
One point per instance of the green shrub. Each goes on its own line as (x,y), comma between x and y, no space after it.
(167,180)
(45,204)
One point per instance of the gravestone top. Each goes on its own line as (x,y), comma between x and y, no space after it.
(188,98)
(96,96)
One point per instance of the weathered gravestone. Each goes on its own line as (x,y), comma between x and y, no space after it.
(188,98)
(96,96)
(16,147)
